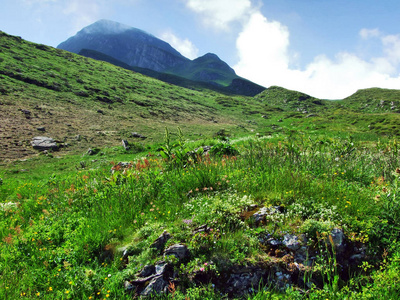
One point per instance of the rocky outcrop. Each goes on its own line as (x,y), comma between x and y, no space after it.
(42,143)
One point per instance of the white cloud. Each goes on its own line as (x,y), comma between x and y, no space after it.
(265,58)
(366,33)
(184,46)
(220,13)
(263,51)
(83,13)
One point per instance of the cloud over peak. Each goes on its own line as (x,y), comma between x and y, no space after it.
(219,14)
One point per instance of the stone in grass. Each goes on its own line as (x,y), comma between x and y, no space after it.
(338,239)
(180,251)
(264,211)
(44,143)
(125,144)
(291,242)
(160,242)
(138,135)
(156,286)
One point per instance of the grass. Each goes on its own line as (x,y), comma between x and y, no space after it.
(71,226)
(66,218)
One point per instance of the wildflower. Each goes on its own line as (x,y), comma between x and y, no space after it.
(67,292)
(201,269)
(50,289)
(38,294)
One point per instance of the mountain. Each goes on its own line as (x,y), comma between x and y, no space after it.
(82,102)
(136,48)
(375,100)
(207,68)
(238,86)
(129,45)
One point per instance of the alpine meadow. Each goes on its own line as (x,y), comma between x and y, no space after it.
(181,180)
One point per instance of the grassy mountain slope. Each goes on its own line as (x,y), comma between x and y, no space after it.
(300,204)
(138,49)
(74,96)
(237,87)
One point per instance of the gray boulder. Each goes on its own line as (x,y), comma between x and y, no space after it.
(291,242)
(156,286)
(160,242)
(44,143)
(180,251)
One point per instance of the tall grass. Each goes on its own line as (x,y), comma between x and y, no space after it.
(60,236)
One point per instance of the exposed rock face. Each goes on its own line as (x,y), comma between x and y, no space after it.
(156,286)
(160,242)
(129,45)
(245,282)
(44,143)
(180,251)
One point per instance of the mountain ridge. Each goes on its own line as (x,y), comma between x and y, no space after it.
(138,48)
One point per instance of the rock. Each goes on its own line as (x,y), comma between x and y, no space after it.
(41,129)
(291,242)
(160,268)
(78,137)
(128,286)
(200,229)
(156,286)
(265,117)
(264,211)
(310,115)
(180,251)
(92,151)
(147,271)
(125,144)
(160,242)
(274,242)
(137,135)
(26,112)
(44,143)
(245,282)
(338,239)
(301,256)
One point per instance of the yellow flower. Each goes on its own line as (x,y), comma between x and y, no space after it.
(38,294)
(50,289)
(67,292)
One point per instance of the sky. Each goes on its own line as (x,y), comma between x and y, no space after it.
(326,48)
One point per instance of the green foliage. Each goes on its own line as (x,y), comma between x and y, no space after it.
(62,229)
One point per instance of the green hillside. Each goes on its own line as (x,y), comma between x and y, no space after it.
(277,196)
